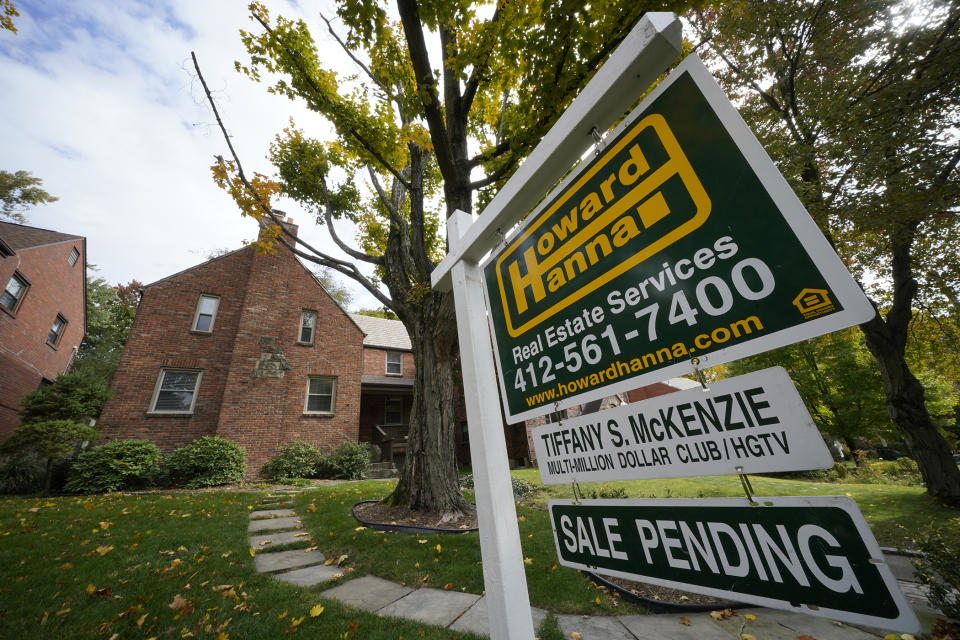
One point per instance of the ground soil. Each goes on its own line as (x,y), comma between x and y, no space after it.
(388,515)
(666,595)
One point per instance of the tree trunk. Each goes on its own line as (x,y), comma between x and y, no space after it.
(429,480)
(48,478)
(908,412)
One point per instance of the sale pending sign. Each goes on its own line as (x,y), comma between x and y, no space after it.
(814,555)
(680,240)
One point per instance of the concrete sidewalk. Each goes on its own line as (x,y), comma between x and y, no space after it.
(468,612)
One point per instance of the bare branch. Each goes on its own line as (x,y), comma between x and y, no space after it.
(319,257)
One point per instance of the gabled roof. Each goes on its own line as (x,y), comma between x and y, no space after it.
(383,333)
(19,236)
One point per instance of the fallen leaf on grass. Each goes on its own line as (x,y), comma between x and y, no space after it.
(296,622)
(316,610)
(528,561)
(141,620)
(448,586)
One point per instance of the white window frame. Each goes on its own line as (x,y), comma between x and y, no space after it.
(74,256)
(157,388)
(59,334)
(23,292)
(313,330)
(387,368)
(213,317)
(333,396)
(386,403)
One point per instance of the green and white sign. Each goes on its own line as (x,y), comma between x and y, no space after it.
(812,555)
(756,423)
(680,240)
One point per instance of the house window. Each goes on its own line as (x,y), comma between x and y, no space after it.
(308,322)
(56,331)
(13,294)
(176,391)
(394,363)
(206,313)
(321,394)
(74,256)
(393,411)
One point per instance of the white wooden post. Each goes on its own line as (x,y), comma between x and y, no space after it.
(504,579)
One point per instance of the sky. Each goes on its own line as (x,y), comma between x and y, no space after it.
(100,100)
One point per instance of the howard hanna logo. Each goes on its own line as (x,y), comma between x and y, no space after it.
(635,200)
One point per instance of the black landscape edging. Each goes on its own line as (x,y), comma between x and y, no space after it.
(400,528)
(662,606)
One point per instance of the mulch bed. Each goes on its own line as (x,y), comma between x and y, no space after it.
(664,599)
(378,515)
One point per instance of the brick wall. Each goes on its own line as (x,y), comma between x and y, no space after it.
(263,413)
(262,297)
(161,337)
(25,355)
(375,362)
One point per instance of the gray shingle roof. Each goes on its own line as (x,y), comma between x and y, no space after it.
(383,333)
(18,236)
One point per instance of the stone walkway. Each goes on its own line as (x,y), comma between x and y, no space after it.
(276,524)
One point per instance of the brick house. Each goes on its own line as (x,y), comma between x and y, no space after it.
(42,311)
(247,346)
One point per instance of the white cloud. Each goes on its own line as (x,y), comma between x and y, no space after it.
(101,102)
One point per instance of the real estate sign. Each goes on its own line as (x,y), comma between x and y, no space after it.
(756,423)
(679,240)
(814,555)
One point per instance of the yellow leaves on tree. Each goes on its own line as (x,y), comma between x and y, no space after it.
(253,196)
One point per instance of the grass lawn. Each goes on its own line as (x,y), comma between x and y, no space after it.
(179,566)
(896,514)
(157,566)
(450,561)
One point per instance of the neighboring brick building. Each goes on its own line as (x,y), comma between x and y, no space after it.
(247,346)
(42,311)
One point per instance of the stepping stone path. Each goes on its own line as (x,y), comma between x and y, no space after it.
(276,524)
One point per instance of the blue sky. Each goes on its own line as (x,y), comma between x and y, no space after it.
(100,100)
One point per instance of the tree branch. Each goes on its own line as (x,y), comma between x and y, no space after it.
(313,85)
(347,268)
(473,82)
(426,86)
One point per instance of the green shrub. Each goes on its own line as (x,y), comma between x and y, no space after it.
(297,459)
(49,440)
(907,465)
(348,460)
(606,494)
(207,462)
(21,473)
(116,465)
(939,569)
(521,488)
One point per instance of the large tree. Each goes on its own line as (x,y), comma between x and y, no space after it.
(857,101)
(427,134)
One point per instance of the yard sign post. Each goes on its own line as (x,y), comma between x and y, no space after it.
(643,55)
